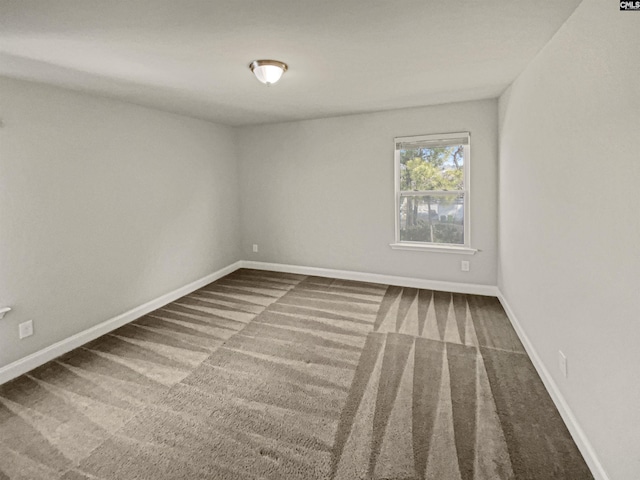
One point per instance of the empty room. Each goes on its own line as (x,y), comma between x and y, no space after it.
(339,240)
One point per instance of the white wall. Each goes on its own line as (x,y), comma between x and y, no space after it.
(103,207)
(570,220)
(320,193)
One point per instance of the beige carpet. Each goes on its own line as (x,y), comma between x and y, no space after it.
(264,375)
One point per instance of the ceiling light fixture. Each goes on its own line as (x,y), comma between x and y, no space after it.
(268,71)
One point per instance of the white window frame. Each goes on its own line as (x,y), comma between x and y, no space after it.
(465,248)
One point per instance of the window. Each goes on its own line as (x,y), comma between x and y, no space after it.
(432,192)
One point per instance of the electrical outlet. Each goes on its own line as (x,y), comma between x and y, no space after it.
(25,329)
(562,363)
(255,248)
(464,265)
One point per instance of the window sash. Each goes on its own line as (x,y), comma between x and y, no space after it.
(430,141)
(435,193)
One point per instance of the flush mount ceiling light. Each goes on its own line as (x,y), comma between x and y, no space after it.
(268,71)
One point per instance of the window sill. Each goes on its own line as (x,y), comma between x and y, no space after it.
(434,248)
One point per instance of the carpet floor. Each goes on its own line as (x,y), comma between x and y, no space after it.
(264,375)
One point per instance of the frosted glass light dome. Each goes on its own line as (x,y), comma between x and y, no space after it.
(268,71)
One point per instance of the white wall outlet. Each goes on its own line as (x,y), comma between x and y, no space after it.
(25,329)
(562,363)
(255,248)
(464,265)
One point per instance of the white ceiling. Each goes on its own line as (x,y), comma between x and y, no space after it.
(344,56)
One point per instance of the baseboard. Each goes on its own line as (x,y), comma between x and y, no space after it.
(569,418)
(469,288)
(36,359)
(41,357)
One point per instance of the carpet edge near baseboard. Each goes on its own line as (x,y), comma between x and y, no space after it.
(570,420)
(40,357)
(422,283)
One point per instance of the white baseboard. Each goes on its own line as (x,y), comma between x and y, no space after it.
(569,418)
(469,288)
(36,359)
(41,357)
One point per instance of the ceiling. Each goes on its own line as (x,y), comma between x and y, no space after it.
(344,56)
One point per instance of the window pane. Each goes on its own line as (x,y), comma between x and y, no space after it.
(434,168)
(432,219)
